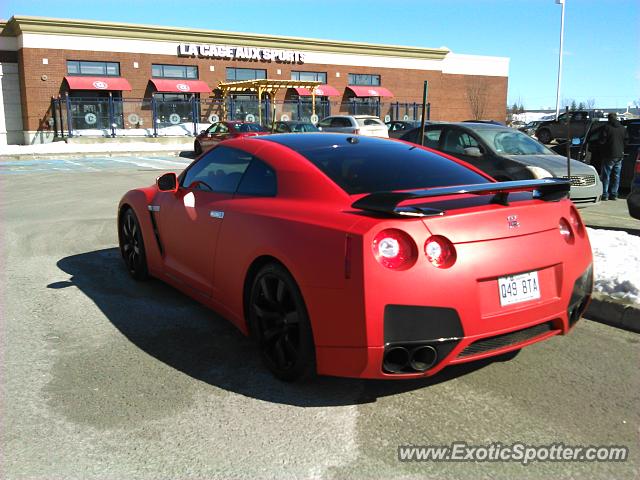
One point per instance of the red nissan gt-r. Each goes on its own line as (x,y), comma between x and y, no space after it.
(362,257)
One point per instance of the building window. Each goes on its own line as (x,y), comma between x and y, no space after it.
(102,69)
(237,74)
(310,77)
(364,79)
(174,71)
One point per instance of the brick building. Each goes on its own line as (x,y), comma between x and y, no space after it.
(62,77)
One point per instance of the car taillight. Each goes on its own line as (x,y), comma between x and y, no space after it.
(394,249)
(440,251)
(565,230)
(576,221)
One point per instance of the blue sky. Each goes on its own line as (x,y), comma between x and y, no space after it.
(602,37)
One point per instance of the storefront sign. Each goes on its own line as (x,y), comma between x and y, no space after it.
(240,53)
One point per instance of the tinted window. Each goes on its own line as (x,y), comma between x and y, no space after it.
(325,123)
(431,137)
(368,122)
(174,71)
(373,164)
(236,74)
(340,122)
(220,170)
(455,141)
(633,131)
(303,127)
(259,180)
(248,127)
(281,127)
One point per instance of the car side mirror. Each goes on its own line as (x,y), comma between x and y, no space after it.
(472,152)
(575,141)
(202,132)
(167,182)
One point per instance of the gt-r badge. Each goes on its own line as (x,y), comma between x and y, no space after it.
(513,221)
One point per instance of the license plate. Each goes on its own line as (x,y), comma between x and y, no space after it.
(518,288)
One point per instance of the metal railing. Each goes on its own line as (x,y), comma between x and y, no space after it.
(150,117)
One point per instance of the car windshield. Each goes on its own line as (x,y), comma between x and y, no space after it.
(303,127)
(511,142)
(248,127)
(376,165)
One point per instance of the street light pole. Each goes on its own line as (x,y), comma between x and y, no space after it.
(560,2)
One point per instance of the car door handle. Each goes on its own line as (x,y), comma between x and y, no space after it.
(216,214)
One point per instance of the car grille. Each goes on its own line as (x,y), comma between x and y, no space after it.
(582,180)
(505,340)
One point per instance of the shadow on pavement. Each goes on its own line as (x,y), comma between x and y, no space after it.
(181,333)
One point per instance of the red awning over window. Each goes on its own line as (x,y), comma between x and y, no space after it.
(180,86)
(98,83)
(370,91)
(321,91)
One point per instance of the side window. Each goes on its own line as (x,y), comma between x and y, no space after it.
(453,142)
(325,123)
(212,128)
(218,171)
(222,129)
(281,127)
(340,122)
(259,180)
(432,137)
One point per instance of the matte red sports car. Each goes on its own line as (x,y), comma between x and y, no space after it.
(362,257)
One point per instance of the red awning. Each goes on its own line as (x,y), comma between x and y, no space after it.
(371,92)
(180,86)
(321,91)
(98,83)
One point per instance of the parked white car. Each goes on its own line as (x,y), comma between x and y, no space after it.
(367,125)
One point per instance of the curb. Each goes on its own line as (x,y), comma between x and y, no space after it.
(622,315)
(61,155)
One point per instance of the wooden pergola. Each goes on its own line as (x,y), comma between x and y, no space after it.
(268,86)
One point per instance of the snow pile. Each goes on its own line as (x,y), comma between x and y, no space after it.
(62,147)
(180,129)
(616,258)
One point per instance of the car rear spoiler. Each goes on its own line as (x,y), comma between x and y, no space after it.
(548,189)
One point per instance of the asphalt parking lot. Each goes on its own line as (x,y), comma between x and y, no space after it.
(103,377)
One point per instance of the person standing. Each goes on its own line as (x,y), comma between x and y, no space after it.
(612,139)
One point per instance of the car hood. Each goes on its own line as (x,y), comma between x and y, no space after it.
(554,164)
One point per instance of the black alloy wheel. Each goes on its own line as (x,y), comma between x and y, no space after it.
(279,320)
(544,136)
(132,245)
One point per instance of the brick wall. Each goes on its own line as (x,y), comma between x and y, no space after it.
(447,93)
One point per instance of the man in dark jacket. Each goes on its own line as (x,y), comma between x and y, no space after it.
(612,139)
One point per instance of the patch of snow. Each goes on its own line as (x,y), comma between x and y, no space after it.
(62,147)
(616,259)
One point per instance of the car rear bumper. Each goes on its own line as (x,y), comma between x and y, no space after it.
(449,343)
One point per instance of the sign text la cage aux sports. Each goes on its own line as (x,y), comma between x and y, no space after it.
(240,53)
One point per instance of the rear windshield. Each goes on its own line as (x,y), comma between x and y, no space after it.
(368,122)
(375,165)
(248,127)
(303,127)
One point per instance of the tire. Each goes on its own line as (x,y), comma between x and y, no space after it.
(197,148)
(544,136)
(132,245)
(278,318)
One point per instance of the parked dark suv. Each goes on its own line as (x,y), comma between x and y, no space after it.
(579,122)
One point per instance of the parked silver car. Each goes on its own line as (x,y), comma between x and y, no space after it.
(367,125)
(508,154)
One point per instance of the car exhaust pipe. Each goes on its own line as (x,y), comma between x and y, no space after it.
(396,359)
(423,358)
